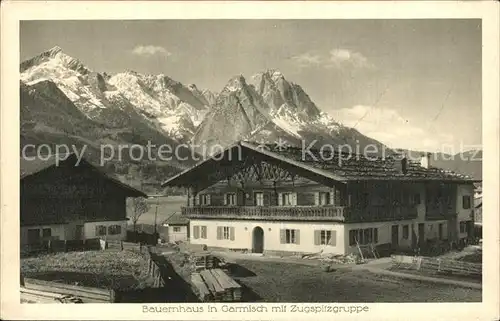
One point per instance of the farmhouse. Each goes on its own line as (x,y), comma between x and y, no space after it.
(270,199)
(67,200)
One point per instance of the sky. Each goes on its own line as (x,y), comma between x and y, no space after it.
(412,84)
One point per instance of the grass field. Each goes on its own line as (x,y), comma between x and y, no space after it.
(123,270)
(284,282)
(166,207)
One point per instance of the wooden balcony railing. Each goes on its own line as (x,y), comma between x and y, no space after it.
(299,213)
(382,213)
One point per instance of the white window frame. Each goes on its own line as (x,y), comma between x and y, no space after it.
(290,237)
(226,233)
(261,199)
(324,196)
(285,196)
(176,229)
(205,199)
(230,199)
(325,237)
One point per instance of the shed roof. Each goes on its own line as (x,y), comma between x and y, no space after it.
(32,166)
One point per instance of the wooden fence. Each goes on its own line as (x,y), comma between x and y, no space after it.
(437,265)
(54,246)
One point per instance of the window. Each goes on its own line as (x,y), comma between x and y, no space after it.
(46,232)
(290,237)
(203,232)
(406,232)
(258,198)
(225,232)
(100,230)
(325,237)
(114,229)
(466,202)
(230,199)
(363,236)
(177,229)
(324,198)
(205,199)
(287,199)
(463,227)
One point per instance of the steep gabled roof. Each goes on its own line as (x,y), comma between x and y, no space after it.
(336,166)
(31,166)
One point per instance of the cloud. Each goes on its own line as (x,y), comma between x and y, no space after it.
(340,57)
(391,128)
(336,58)
(148,51)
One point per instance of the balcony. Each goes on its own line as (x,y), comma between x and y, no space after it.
(303,213)
(294,213)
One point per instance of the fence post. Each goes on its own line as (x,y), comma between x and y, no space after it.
(121,245)
(439,265)
(65,245)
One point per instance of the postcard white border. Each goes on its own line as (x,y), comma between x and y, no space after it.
(14,11)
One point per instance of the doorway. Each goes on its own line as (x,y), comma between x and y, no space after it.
(395,236)
(258,240)
(79,232)
(421,234)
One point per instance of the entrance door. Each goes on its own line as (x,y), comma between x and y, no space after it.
(421,234)
(79,232)
(258,240)
(395,236)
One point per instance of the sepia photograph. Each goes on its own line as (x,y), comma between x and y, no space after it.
(220,165)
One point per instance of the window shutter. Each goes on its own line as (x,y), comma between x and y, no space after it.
(280,199)
(196,232)
(317,237)
(225,198)
(316,198)
(333,238)
(197,199)
(294,199)
(332,196)
(219,232)
(231,233)
(375,235)
(297,236)
(208,199)
(203,232)
(282,236)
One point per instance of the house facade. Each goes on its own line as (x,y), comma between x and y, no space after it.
(67,200)
(281,201)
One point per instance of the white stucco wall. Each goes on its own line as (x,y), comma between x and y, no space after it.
(90,230)
(58,231)
(177,236)
(464,214)
(244,230)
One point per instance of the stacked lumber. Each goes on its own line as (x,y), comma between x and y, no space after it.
(201,288)
(216,285)
(204,261)
(36,296)
(232,288)
(66,293)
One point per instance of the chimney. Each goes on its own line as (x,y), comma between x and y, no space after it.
(425,160)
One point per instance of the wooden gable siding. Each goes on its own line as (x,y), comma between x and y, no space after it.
(69,193)
(304,188)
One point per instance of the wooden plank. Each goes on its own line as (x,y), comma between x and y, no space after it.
(88,296)
(97,291)
(212,284)
(201,287)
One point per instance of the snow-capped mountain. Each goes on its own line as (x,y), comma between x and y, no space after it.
(129,107)
(170,107)
(268,108)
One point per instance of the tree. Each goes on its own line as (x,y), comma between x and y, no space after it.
(138,206)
